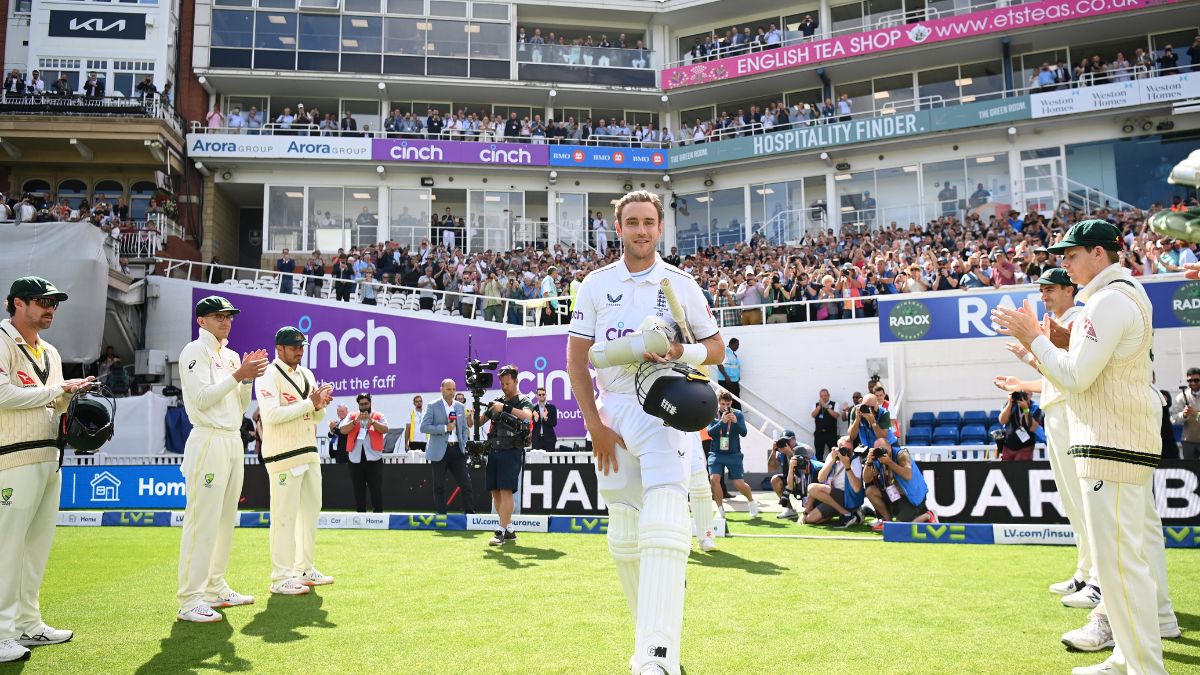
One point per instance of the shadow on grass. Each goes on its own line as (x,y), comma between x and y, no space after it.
(286,614)
(1190,623)
(515,556)
(772,523)
(730,561)
(192,648)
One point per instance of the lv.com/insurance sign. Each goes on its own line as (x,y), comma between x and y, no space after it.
(954,316)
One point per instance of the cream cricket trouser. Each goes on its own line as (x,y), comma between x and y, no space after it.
(28,516)
(1058,442)
(295,505)
(1120,518)
(213,466)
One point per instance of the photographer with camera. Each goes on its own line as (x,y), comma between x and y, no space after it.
(507,437)
(794,469)
(895,486)
(1021,418)
(839,490)
(727,431)
(870,421)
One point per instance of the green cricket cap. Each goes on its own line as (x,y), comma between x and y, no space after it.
(1090,233)
(34,287)
(213,304)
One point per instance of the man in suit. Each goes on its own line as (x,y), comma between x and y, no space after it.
(338,440)
(445,423)
(349,124)
(545,418)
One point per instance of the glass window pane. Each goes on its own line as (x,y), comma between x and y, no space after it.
(285,217)
(327,227)
(362,204)
(894,93)
(489,10)
(988,186)
(362,34)
(371,6)
(937,86)
(944,187)
(895,196)
(277,4)
(230,58)
(983,80)
(846,18)
(726,213)
(403,37)
(413,7)
(451,8)
(232,29)
(319,33)
(447,38)
(232,3)
(854,192)
(691,222)
(490,40)
(275,30)
(409,209)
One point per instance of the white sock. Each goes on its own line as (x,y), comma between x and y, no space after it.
(700,494)
(664,543)
(510,528)
(623,546)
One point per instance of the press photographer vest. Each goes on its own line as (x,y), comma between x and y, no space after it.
(914,488)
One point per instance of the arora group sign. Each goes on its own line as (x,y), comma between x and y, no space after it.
(249,146)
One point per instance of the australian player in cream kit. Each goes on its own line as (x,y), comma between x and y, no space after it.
(291,404)
(216,392)
(642,466)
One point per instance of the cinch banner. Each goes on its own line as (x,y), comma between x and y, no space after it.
(608,158)
(1000,20)
(277,147)
(358,349)
(956,316)
(459,152)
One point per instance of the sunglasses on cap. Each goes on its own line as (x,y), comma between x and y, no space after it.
(44,303)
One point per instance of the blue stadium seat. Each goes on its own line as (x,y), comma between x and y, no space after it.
(974,417)
(993,417)
(974,434)
(919,436)
(945,435)
(923,419)
(949,417)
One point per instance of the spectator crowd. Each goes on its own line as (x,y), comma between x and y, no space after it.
(824,276)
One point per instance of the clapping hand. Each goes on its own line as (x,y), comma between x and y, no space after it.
(1192,270)
(1060,336)
(82,384)
(1018,323)
(254,364)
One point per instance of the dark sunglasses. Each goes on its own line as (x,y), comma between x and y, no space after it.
(45,303)
(1194,379)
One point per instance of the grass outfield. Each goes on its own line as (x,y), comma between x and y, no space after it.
(427,602)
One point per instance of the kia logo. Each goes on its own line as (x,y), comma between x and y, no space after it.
(97,25)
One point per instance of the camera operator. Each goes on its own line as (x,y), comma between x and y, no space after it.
(779,459)
(1021,419)
(839,488)
(869,422)
(507,437)
(798,470)
(825,420)
(727,431)
(895,486)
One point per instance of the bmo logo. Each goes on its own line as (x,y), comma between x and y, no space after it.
(619,331)
(618,157)
(657,159)
(578,156)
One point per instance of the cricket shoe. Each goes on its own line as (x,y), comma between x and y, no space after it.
(652,669)
(787,513)
(1086,598)
(497,539)
(850,520)
(199,614)
(11,651)
(290,587)
(1170,631)
(231,598)
(753,509)
(877,526)
(44,635)
(1098,669)
(314,578)
(706,542)
(1093,637)
(1068,587)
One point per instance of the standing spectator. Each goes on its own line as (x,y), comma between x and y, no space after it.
(493,307)
(845,108)
(545,419)
(14,83)
(365,430)
(1168,62)
(214,119)
(146,89)
(368,288)
(445,423)
(314,275)
(343,275)
(1186,411)
(36,85)
(285,266)
(236,122)
(1021,419)
(414,438)
(549,289)
(1193,53)
(337,440)
(825,421)
(731,371)
(808,27)
(600,227)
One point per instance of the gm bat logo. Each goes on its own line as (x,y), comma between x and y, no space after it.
(928,532)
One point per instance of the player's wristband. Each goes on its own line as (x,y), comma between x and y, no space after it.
(694,354)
